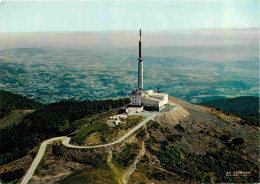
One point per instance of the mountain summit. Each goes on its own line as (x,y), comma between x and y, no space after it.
(183,143)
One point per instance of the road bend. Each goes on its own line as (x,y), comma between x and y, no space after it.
(66,142)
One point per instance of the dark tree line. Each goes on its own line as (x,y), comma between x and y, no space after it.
(10,102)
(247,106)
(50,121)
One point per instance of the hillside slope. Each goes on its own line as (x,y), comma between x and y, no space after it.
(50,121)
(14,118)
(186,143)
(203,146)
(10,101)
(244,105)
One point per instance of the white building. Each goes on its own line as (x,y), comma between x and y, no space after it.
(149,100)
(154,101)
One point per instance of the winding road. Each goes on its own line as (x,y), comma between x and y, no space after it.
(66,142)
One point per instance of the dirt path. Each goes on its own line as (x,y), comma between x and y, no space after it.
(131,169)
(117,173)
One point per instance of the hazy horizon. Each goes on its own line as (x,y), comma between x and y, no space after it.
(53,15)
(228,40)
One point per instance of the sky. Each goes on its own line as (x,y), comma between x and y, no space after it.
(150,15)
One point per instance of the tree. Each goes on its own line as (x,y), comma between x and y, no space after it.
(238,141)
(224,138)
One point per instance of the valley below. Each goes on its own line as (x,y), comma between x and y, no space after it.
(193,66)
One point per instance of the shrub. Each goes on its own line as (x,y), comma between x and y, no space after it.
(154,125)
(56,149)
(141,134)
(174,137)
(12,175)
(250,121)
(238,141)
(201,131)
(145,159)
(224,138)
(127,155)
(179,127)
(166,130)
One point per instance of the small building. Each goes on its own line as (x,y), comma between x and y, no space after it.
(116,120)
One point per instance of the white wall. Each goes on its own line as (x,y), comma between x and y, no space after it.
(136,99)
(148,102)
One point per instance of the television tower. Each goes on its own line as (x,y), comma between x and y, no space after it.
(140,64)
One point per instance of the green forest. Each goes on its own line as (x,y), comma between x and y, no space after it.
(247,107)
(48,121)
(244,105)
(10,101)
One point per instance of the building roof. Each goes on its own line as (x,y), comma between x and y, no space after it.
(161,94)
(152,98)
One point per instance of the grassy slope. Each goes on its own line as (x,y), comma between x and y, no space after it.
(111,170)
(108,134)
(14,118)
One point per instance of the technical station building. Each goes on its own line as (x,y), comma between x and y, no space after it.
(148,100)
